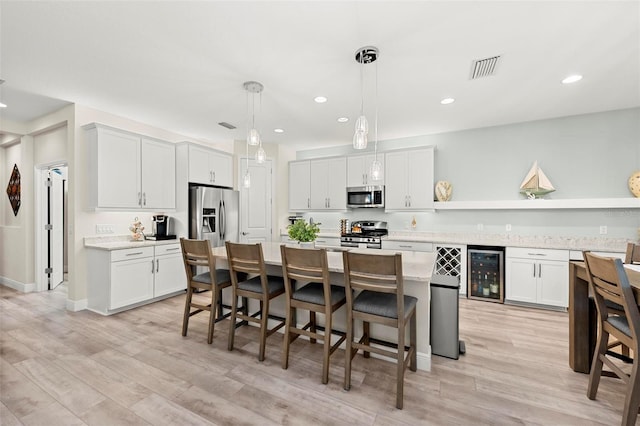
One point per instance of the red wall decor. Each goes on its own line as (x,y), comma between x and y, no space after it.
(13,190)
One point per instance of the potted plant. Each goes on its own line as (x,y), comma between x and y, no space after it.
(303,232)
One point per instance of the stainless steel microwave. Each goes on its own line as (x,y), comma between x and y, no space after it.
(365,196)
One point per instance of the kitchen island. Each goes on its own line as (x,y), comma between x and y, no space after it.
(417,270)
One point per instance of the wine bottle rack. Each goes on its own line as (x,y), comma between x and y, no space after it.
(451,260)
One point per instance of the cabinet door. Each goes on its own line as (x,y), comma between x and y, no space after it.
(420,179)
(170,275)
(118,169)
(319,184)
(553,283)
(521,283)
(299,186)
(199,171)
(221,166)
(158,175)
(336,184)
(355,170)
(131,282)
(396,181)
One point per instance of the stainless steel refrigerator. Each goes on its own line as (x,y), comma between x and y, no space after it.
(214,214)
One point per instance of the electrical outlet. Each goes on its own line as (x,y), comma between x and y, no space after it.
(603,230)
(104,229)
(480,227)
(99,229)
(508,227)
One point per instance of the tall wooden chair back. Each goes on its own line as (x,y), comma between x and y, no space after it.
(381,299)
(309,268)
(197,256)
(249,280)
(633,253)
(610,285)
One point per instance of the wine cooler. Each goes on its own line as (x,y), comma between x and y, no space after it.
(485,273)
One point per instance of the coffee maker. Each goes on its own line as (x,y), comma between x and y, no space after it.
(161,228)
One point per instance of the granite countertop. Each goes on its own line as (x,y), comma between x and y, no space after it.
(618,245)
(119,242)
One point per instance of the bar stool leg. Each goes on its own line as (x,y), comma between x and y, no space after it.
(232,324)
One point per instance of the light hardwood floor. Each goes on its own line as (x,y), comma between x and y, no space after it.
(64,368)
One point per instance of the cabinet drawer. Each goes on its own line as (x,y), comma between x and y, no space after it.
(407,245)
(132,253)
(327,242)
(167,249)
(537,254)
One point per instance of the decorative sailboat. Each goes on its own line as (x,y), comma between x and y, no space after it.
(536,183)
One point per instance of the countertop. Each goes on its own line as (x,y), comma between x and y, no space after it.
(618,245)
(119,242)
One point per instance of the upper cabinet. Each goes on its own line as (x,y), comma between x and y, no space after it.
(129,171)
(210,167)
(328,184)
(299,186)
(359,170)
(409,179)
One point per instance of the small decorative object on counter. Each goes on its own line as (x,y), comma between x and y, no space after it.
(634,184)
(302,231)
(413,222)
(136,229)
(443,190)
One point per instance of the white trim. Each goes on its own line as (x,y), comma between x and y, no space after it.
(578,203)
(76,305)
(17,285)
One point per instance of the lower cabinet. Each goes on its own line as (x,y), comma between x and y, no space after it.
(537,276)
(127,277)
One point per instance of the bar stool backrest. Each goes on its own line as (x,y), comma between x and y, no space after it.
(633,253)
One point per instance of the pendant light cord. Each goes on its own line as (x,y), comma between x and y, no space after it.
(362,84)
(375,147)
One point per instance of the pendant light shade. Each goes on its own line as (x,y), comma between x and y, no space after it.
(261,156)
(376,170)
(246,179)
(364,55)
(253,137)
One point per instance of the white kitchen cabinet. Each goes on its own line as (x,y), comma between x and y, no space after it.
(299,186)
(129,171)
(169,275)
(537,276)
(210,167)
(130,277)
(407,245)
(409,179)
(359,170)
(328,184)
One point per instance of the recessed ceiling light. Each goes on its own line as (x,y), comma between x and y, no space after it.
(572,79)
(446,101)
(278,130)
(343,119)
(320,99)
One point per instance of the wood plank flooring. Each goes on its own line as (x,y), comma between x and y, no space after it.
(65,368)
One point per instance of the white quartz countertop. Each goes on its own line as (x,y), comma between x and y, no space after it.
(505,240)
(416,266)
(119,242)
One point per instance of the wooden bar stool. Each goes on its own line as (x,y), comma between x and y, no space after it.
(197,253)
(382,301)
(248,259)
(633,253)
(609,282)
(317,295)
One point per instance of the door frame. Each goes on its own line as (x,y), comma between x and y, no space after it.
(40,219)
(242,162)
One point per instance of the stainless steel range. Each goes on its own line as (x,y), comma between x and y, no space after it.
(365,234)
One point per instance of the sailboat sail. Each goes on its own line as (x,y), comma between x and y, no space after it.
(536,183)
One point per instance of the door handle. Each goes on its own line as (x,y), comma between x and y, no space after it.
(245,233)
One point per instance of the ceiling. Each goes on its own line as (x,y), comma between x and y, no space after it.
(180,66)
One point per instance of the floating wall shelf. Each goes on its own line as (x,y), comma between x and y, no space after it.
(539,204)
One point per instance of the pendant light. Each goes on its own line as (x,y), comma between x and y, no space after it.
(364,55)
(253,137)
(376,165)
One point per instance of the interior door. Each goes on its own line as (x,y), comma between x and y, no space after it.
(56,231)
(256,203)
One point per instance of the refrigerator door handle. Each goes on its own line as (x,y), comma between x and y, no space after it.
(222,218)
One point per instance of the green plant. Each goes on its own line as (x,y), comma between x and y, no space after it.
(303,231)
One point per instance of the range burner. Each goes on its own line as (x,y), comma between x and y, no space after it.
(365,234)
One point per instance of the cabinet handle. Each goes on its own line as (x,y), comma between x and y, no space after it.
(321,241)
(409,200)
(539,270)
(308,202)
(171,249)
(403,246)
(536,254)
(139,198)
(364,182)
(144,198)
(152,266)
(134,254)
(366,178)
(157,265)
(214,177)
(329,202)
(534,270)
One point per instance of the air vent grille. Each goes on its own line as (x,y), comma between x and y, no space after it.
(227,125)
(483,67)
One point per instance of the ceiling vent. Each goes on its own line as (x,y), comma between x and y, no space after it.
(227,125)
(483,67)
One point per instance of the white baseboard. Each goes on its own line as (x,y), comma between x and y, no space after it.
(17,285)
(76,305)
